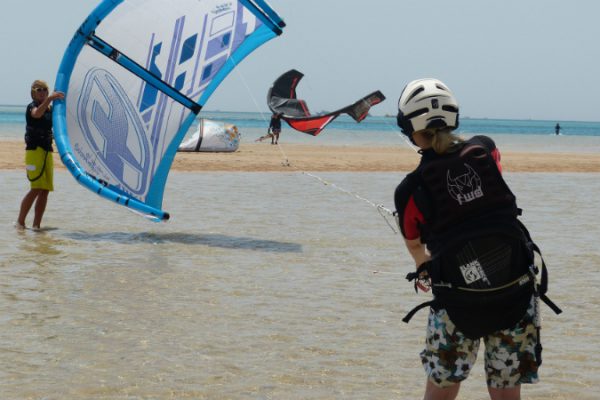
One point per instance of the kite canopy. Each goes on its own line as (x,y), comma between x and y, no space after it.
(135,75)
(282,100)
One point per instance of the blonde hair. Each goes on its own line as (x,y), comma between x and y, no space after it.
(38,84)
(442,140)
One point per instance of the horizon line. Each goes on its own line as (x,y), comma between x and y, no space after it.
(385,115)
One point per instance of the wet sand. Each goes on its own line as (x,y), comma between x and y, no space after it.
(261,157)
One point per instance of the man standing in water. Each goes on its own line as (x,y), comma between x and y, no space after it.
(38,153)
(557,129)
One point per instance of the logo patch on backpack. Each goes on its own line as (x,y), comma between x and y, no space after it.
(473,272)
(465,187)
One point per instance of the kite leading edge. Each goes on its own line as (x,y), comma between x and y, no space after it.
(135,75)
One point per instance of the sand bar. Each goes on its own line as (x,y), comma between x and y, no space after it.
(264,157)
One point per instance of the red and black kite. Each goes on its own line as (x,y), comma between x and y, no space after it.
(282,100)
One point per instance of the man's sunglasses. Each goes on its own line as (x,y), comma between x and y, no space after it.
(40,89)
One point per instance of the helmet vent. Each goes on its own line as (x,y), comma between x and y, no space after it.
(413,94)
(449,108)
(416,113)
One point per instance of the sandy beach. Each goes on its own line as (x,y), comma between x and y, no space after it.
(262,157)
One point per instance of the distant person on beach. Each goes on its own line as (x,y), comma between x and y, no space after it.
(38,153)
(557,129)
(274,129)
(459,221)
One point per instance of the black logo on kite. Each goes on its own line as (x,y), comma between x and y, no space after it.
(466,187)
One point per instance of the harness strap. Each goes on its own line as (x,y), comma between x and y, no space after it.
(412,312)
(543,286)
(42,171)
(550,304)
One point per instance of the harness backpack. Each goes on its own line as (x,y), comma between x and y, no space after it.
(482,268)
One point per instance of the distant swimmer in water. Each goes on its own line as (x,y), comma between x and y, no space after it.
(557,129)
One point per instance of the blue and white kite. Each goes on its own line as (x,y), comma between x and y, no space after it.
(135,75)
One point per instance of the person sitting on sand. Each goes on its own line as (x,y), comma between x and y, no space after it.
(38,152)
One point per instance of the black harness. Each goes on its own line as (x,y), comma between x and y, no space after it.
(38,137)
(34,138)
(482,269)
(38,132)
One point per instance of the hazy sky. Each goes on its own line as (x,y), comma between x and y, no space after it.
(522,59)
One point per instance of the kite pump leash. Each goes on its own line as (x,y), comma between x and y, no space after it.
(383,211)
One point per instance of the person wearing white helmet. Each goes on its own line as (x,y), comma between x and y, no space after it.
(427,105)
(459,222)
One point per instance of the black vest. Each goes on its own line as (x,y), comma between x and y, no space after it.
(38,131)
(460,188)
(482,261)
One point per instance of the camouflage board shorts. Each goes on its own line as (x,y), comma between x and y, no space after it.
(510,359)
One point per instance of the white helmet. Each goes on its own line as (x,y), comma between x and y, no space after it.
(426,103)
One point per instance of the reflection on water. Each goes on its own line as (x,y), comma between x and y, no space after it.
(41,245)
(266,290)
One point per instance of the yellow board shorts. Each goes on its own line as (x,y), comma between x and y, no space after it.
(39,164)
